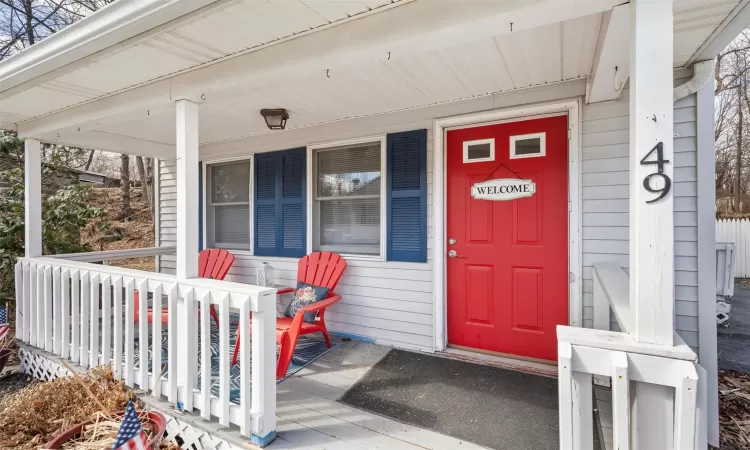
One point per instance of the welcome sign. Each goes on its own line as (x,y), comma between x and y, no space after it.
(503,189)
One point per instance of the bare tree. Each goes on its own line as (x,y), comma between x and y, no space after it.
(125,210)
(26,22)
(145,187)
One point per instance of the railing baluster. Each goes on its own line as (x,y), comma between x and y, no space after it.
(47,298)
(224,386)
(34,311)
(106,319)
(172,344)
(156,339)
(205,321)
(620,401)
(75,346)
(117,328)
(19,300)
(143,333)
(56,310)
(187,357)
(583,414)
(94,323)
(565,384)
(685,400)
(85,307)
(129,332)
(245,373)
(65,314)
(27,303)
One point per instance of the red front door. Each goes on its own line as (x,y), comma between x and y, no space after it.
(508,278)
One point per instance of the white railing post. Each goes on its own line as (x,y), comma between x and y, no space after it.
(20,304)
(187,147)
(620,401)
(565,391)
(264,368)
(26,337)
(652,221)
(33,197)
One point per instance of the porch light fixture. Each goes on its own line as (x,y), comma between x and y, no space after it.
(275,118)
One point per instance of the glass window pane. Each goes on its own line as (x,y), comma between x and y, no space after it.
(350,225)
(479,151)
(231,227)
(530,146)
(230,183)
(350,170)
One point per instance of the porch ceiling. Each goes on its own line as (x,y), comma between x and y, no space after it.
(418,73)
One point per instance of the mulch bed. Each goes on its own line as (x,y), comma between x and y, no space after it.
(734,410)
(11,383)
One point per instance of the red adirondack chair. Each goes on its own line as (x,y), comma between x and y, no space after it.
(322,269)
(212,263)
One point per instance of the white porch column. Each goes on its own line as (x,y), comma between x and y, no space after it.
(33,197)
(187,244)
(187,189)
(651,124)
(651,221)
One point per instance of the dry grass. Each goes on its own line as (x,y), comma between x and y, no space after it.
(36,414)
(734,410)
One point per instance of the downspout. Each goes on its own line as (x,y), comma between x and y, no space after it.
(702,74)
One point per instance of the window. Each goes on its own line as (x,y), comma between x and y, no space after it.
(479,151)
(228,199)
(527,145)
(347,198)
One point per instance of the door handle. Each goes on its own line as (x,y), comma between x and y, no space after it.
(454,254)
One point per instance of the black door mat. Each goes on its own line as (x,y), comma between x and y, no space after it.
(489,406)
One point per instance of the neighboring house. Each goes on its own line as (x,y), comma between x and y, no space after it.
(596,117)
(64,175)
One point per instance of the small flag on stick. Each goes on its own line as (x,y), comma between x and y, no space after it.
(130,436)
(4,325)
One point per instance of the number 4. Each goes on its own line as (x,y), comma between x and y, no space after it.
(660,161)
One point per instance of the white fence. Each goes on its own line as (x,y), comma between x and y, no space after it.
(85,313)
(736,231)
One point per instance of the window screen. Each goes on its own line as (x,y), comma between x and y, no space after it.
(347,200)
(229,205)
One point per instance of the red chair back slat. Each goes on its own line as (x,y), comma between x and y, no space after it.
(214,263)
(321,269)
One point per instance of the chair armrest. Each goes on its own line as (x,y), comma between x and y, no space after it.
(285,291)
(323,304)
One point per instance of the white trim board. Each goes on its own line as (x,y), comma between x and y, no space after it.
(440,126)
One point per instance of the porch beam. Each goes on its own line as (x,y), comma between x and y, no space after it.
(187,189)
(611,67)
(651,126)
(33,197)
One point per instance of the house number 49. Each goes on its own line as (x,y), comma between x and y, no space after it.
(659,162)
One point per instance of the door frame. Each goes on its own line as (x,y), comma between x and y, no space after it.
(441,126)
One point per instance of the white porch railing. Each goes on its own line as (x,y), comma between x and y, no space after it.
(85,313)
(725,268)
(583,353)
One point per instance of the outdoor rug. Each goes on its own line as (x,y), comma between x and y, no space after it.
(306,351)
(490,406)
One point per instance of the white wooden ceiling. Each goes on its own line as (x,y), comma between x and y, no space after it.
(547,54)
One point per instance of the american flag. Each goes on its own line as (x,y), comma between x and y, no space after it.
(130,436)
(4,325)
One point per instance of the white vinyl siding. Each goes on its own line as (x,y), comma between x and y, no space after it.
(167,231)
(605,201)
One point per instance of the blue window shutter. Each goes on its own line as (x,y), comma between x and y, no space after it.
(292,204)
(200,205)
(407,196)
(280,201)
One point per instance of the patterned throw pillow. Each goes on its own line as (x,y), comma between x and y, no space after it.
(305,295)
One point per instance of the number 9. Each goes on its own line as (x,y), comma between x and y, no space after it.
(663,191)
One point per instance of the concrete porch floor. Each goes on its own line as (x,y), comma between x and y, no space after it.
(310,418)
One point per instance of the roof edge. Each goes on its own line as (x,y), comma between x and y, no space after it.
(730,28)
(115,23)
